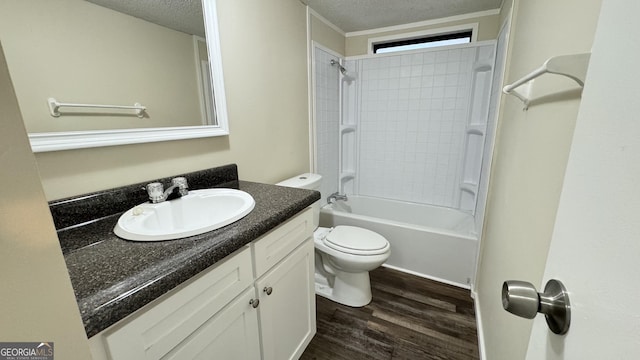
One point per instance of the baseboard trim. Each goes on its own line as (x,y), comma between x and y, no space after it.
(480,328)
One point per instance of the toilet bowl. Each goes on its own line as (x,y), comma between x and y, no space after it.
(344,255)
(347,254)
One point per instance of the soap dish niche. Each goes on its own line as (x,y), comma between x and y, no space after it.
(347,183)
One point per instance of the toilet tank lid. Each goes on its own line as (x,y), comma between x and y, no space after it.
(302,181)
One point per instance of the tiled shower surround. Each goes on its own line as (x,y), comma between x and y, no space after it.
(412,125)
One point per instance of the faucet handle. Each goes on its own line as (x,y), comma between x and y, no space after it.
(181,183)
(155,191)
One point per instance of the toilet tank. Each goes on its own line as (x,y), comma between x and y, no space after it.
(307,181)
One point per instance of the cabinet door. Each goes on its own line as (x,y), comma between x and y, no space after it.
(288,313)
(230,335)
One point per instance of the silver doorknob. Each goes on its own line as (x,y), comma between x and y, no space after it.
(268,290)
(521,298)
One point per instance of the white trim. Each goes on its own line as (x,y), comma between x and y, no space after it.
(42,142)
(207,97)
(424,23)
(326,22)
(210,13)
(479,326)
(423,33)
(54,141)
(311,95)
(208,117)
(326,49)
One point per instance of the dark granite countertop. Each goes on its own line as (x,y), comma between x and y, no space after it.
(113,277)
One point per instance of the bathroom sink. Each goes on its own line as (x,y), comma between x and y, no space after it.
(196,213)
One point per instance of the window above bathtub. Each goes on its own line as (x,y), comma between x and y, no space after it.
(461,34)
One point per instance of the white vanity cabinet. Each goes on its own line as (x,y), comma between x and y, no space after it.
(258,303)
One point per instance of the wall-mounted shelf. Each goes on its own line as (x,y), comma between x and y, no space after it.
(572,66)
(469,187)
(347,182)
(483,65)
(348,128)
(476,129)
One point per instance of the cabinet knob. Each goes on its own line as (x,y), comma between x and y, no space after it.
(268,290)
(254,303)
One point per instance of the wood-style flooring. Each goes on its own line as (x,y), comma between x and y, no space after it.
(408,318)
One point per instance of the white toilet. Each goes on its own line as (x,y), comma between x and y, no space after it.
(344,254)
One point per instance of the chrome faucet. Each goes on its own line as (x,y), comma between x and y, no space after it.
(335,197)
(157,194)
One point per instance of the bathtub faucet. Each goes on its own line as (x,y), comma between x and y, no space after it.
(335,197)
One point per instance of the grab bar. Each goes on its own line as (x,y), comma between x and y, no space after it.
(54,107)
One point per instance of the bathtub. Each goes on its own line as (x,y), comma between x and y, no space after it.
(429,241)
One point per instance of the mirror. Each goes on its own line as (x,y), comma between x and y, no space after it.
(79,52)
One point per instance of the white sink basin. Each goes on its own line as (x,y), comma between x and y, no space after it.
(196,213)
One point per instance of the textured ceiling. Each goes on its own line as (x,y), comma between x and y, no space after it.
(348,15)
(357,15)
(181,15)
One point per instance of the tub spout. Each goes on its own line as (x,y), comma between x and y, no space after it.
(335,197)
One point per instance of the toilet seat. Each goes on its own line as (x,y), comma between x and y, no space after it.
(356,241)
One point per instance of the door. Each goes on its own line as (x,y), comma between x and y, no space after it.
(595,250)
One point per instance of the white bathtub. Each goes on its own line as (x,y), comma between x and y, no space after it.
(429,241)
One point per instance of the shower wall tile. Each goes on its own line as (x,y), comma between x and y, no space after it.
(327,118)
(412,123)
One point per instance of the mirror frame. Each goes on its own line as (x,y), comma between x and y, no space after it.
(67,140)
